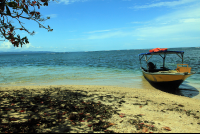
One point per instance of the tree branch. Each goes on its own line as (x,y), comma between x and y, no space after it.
(7,30)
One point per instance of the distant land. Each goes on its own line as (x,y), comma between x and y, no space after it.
(26,52)
(35,52)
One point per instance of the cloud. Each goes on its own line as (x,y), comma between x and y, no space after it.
(137,22)
(166,4)
(52,15)
(103,36)
(140,22)
(67,2)
(72,31)
(175,30)
(98,31)
(100,34)
(176,16)
(181,25)
(7,46)
(24,47)
(190,20)
(28,46)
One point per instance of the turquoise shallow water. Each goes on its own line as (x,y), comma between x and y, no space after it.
(115,68)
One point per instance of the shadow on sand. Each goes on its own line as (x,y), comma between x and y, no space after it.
(183,90)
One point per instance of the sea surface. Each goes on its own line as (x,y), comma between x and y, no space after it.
(113,68)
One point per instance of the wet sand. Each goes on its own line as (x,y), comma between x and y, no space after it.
(132,109)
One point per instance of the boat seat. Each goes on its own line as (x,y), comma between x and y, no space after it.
(169,71)
(183,69)
(173,71)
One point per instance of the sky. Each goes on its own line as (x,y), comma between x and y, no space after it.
(96,25)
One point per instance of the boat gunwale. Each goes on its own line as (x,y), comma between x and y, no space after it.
(167,72)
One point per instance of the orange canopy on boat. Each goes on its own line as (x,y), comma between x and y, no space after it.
(157,50)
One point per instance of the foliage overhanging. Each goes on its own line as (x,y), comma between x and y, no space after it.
(17,10)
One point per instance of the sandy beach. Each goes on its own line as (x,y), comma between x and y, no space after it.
(94,109)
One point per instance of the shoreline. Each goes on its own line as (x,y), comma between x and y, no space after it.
(187,88)
(138,110)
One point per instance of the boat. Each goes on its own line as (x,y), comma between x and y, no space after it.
(164,77)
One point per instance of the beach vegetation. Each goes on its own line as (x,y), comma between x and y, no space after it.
(14,11)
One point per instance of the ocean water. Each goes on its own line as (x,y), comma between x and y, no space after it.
(114,68)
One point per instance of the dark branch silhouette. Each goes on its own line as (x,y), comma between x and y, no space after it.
(17,10)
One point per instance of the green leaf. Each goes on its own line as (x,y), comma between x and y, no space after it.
(2,6)
(8,10)
(12,4)
(45,4)
(24,9)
